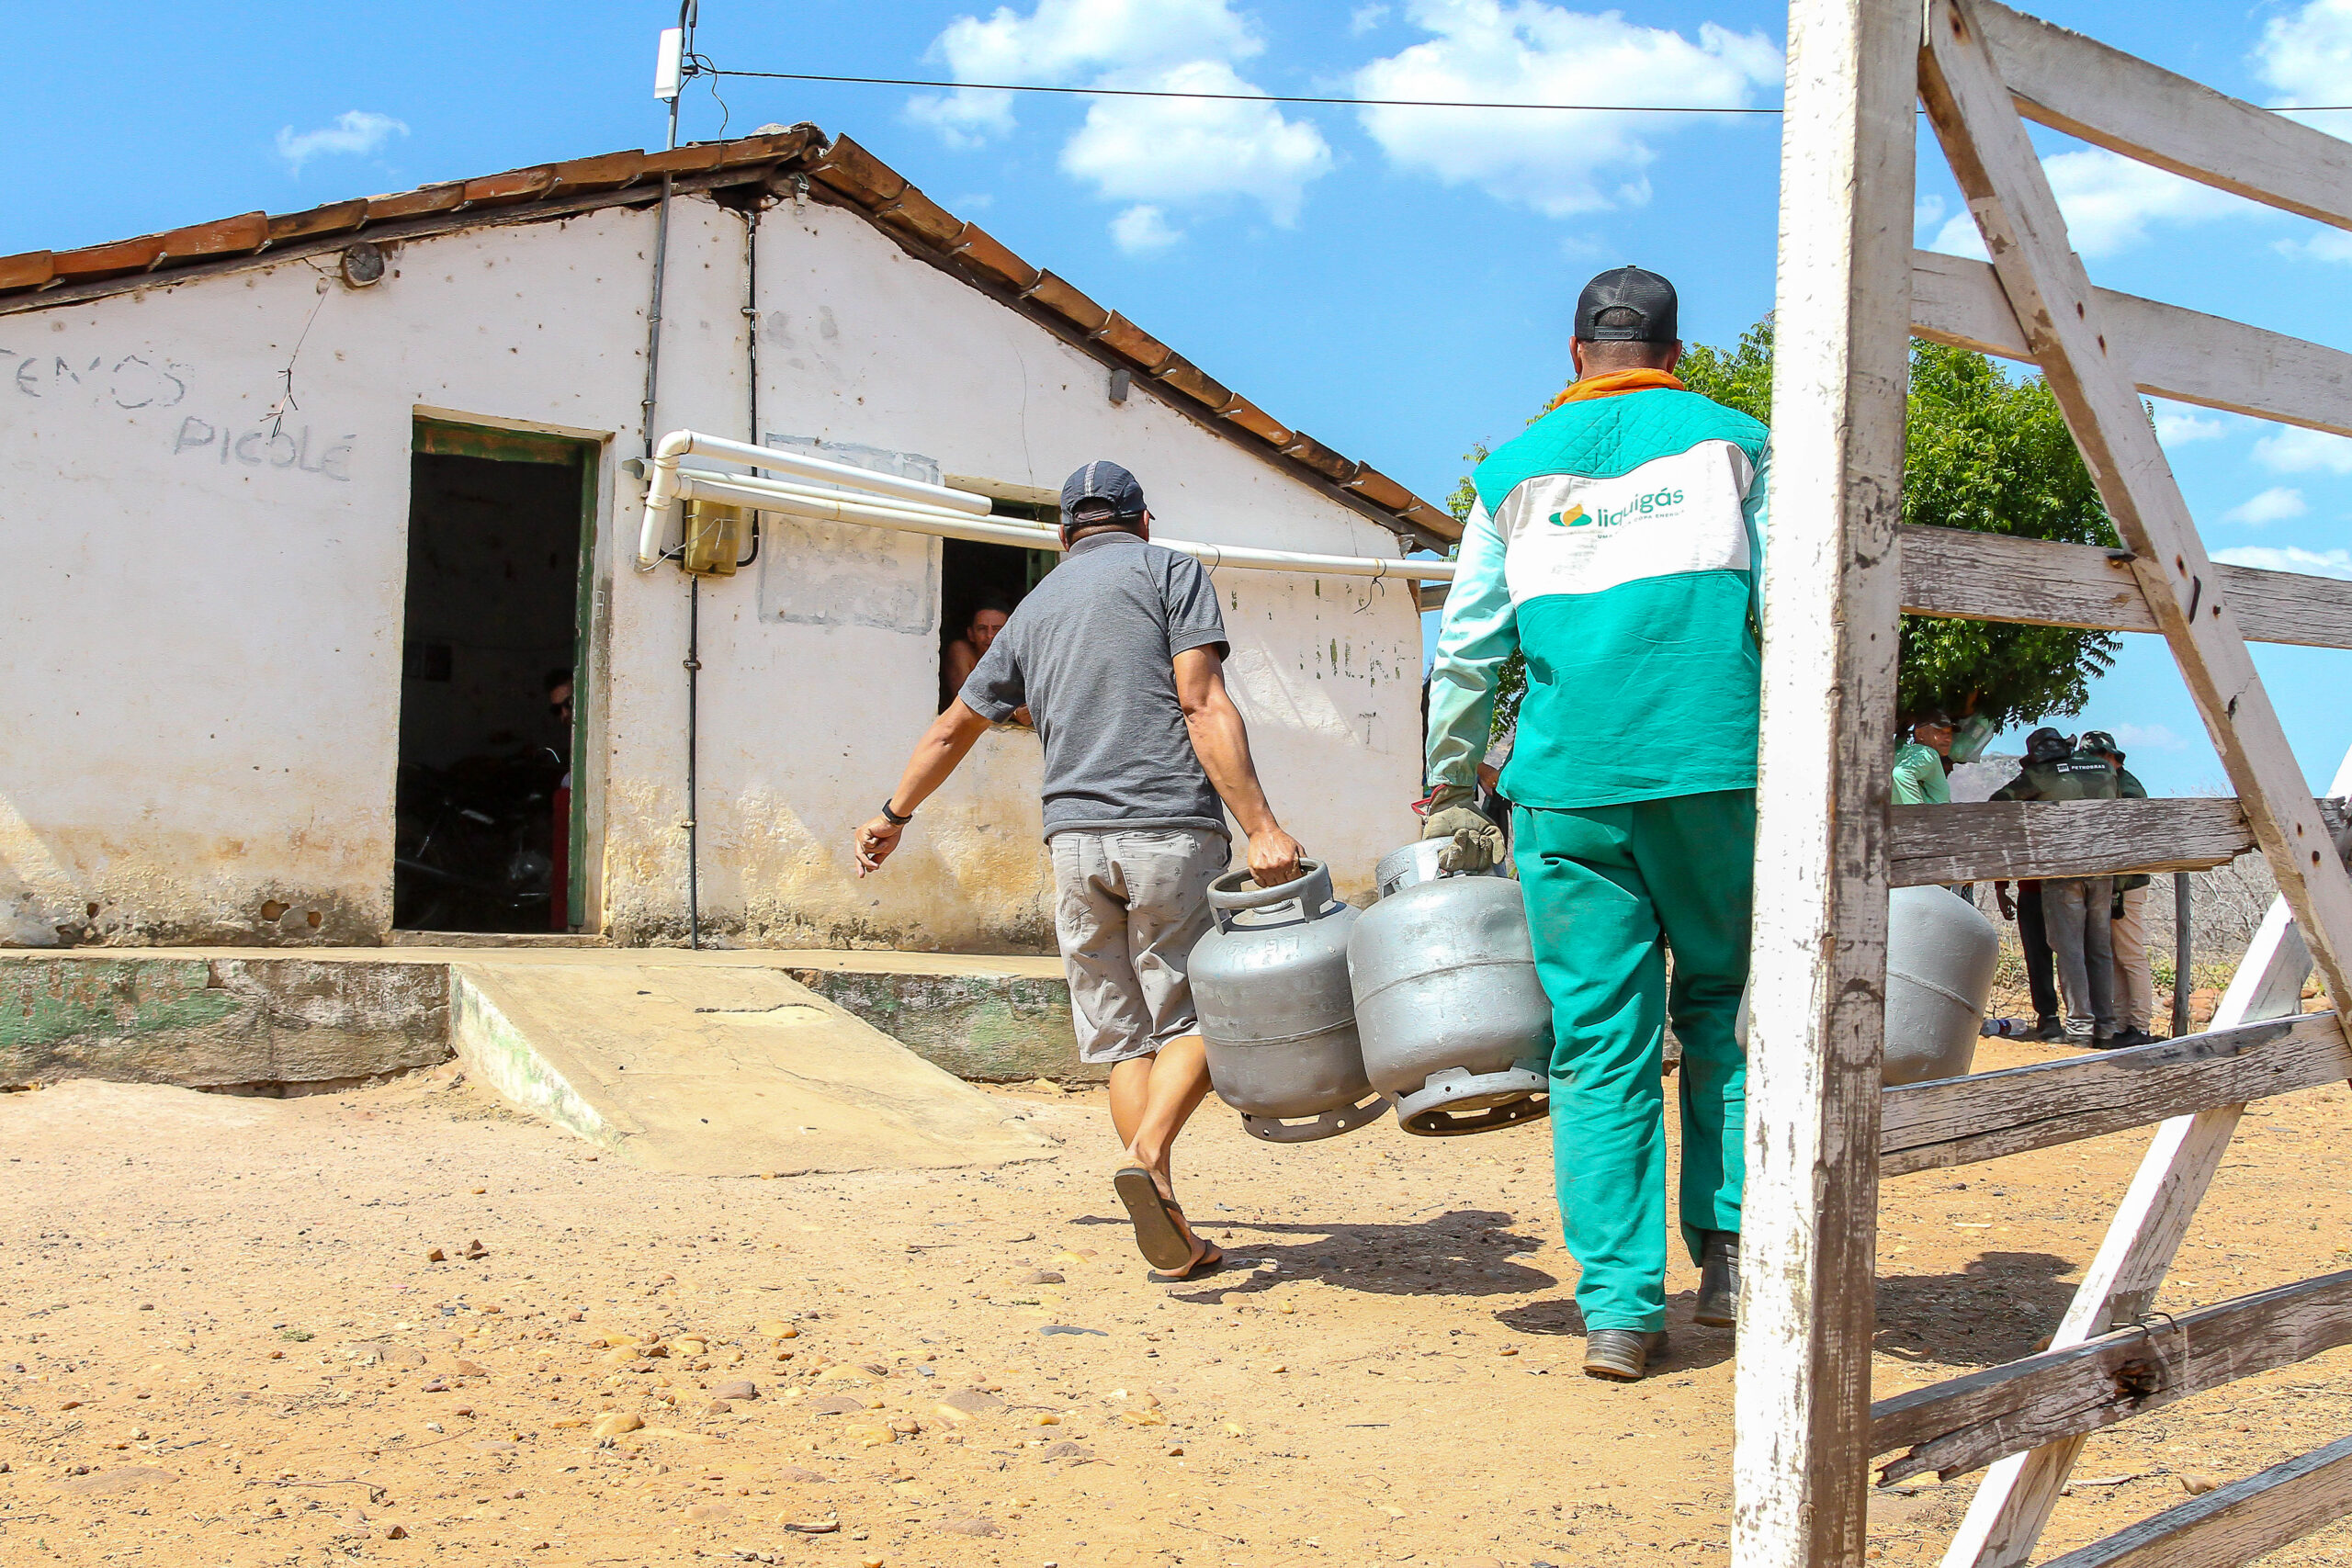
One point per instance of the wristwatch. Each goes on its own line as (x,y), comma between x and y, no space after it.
(892,817)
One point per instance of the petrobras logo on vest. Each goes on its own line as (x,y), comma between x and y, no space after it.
(1649,503)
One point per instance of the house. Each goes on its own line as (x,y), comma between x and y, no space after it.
(305,512)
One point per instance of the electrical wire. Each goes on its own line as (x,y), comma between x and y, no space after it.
(1295,98)
(1241,98)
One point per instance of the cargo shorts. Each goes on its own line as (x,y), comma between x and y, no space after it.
(1128,906)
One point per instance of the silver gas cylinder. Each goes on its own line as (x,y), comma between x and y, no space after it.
(1455,1026)
(1271,986)
(1940,952)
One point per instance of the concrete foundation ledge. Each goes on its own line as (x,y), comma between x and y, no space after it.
(238,1019)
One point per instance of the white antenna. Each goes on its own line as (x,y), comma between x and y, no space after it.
(669,66)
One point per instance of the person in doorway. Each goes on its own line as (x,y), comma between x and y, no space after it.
(559,683)
(1619,542)
(1922,773)
(1120,652)
(963,655)
(2135,980)
(2073,910)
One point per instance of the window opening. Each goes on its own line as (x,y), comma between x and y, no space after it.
(981,585)
(485,830)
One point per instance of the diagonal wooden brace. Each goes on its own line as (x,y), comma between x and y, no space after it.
(2065,325)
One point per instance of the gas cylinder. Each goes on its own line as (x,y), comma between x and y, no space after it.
(1270,984)
(1455,1026)
(1940,951)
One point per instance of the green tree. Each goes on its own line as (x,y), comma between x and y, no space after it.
(1982,453)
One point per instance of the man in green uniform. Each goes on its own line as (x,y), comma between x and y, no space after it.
(1920,778)
(2135,982)
(2073,910)
(1619,545)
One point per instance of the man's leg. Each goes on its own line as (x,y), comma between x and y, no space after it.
(2065,910)
(2033,936)
(2135,982)
(1602,962)
(1167,873)
(1106,1005)
(2099,952)
(1697,856)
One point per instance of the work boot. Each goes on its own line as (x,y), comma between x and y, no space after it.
(2050,1030)
(2125,1039)
(1718,1279)
(1620,1355)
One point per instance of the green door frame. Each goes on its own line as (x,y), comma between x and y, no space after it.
(439,438)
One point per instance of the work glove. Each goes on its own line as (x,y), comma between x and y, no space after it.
(1448,814)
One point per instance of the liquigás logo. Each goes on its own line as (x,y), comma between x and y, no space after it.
(1602,518)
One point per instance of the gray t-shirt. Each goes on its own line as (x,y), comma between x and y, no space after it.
(1091,651)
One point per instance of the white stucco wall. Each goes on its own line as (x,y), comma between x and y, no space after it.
(200,623)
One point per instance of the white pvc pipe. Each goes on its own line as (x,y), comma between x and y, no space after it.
(662,490)
(915,507)
(839,509)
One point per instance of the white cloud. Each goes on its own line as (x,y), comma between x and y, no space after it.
(1178,149)
(2146,737)
(2312,563)
(1143,231)
(1155,151)
(2307,55)
(1365,18)
(2178,427)
(2110,203)
(1063,43)
(1926,217)
(2326,245)
(1557,162)
(2294,450)
(2273,505)
(355,131)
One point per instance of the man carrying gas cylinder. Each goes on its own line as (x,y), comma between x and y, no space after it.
(1618,544)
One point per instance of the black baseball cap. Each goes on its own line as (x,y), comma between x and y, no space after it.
(1105,488)
(1627,305)
(2047,745)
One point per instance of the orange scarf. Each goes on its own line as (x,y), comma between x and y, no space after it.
(1612,383)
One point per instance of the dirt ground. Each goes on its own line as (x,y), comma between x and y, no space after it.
(225,1342)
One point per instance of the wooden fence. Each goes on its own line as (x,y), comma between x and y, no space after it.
(1821,1130)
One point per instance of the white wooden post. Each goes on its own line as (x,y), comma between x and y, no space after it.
(1832,590)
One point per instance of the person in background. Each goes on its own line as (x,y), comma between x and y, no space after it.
(2135,981)
(2073,910)
(2041,964)
(559,684)
(1922,776)
(1121,652)
(963,655)
(1619,542)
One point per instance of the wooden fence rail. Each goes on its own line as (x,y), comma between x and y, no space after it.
(1956,1426)
(1953,1122)
(2235,1523)
(1958,574)
(2009,840)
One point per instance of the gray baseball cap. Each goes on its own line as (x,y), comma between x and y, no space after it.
(1101,487)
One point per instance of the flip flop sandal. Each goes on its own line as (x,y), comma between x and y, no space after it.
(1157,1236)
(1211,1259)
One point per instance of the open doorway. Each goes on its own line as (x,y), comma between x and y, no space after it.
(501,527)
(979,585)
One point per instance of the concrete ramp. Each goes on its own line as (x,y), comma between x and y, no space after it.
(714,1071)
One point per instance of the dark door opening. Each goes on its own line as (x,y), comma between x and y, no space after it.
(499,546)
(974,577)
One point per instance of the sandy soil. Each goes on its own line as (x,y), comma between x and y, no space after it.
(224,1342)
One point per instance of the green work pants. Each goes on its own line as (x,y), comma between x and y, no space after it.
(1610,890)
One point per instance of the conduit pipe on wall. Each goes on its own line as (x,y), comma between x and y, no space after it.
(915,507)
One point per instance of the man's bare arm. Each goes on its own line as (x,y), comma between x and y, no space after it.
(944,745)
(1222,742)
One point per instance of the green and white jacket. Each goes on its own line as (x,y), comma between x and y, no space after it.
(1619,543)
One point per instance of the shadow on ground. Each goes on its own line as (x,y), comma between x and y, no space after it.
(1467,1252)
(2001,1306)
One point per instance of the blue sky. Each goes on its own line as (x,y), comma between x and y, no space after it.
(1398,284)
